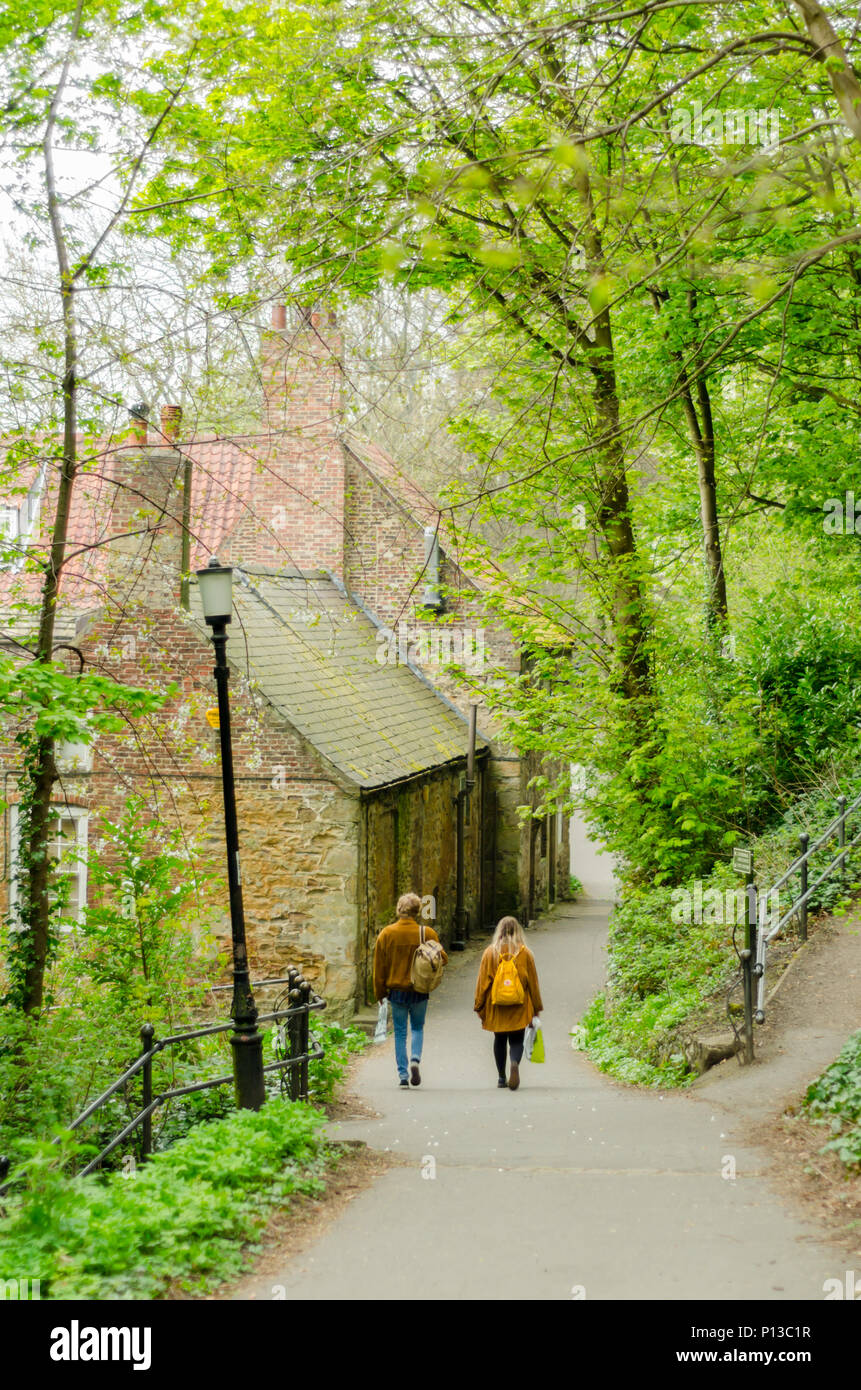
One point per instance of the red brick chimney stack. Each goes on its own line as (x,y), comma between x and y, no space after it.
(146,511)
(296,502)
(137,430)
(171,419)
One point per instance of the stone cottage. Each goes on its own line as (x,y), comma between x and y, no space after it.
(350,750)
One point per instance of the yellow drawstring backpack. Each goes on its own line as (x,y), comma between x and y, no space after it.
(507,986)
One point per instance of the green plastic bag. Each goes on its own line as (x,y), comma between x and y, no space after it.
(534,1041)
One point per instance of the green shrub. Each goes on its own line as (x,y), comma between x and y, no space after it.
(611,1048)
(660,972)
(52,1067)
(807,664)
(835,1100)
(340,1043)
(145,931)
(185,1215)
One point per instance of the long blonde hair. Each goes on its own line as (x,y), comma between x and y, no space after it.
(508,935)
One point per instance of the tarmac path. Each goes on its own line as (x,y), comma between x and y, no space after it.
(574,1186)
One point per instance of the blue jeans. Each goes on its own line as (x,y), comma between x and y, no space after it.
(406,1004)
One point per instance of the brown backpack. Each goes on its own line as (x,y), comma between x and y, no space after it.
(427,967)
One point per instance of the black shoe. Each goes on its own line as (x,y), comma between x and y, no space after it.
(415,1074)
(405,1085)
(502,1084)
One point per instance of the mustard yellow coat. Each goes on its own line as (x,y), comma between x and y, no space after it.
(507,1018)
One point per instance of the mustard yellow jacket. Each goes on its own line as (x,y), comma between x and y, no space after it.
(393,955)
(507,1018)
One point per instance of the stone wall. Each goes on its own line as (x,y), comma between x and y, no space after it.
(299,878)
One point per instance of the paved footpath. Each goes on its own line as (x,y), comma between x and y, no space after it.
(571,1186)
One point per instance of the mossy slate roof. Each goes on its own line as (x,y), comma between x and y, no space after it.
(313,655)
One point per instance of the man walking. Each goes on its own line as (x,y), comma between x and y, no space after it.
(393,959)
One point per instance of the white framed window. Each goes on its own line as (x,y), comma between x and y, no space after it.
(19,523)
(68,853)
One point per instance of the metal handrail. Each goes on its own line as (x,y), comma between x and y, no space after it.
(150,1109)
(304,1049)
(811,849)
(766,933)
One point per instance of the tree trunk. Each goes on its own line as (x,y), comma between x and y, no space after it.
(630,619)
(629,615)
(701,431)
(36,833)
(829,50)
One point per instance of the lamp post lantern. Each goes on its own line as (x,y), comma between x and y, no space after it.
(216,593)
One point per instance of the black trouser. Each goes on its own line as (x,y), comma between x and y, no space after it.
(501,1041)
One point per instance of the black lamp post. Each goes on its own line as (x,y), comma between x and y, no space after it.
(216,594)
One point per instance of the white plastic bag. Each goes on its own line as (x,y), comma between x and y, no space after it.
(529,1037)
(382,1022)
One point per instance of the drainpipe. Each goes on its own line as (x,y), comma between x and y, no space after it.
(185,558)
(461,916)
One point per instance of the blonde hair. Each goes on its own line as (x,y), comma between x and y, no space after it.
(508,935)
(409,905)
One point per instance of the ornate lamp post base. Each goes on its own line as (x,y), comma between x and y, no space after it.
(248,1069)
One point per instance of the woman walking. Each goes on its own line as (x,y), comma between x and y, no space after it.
(507,997)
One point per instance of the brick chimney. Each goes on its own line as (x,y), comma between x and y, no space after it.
(146,515)
(137,429)
(296,502)
(171,419)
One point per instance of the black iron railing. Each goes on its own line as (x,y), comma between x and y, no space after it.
(294,1047)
